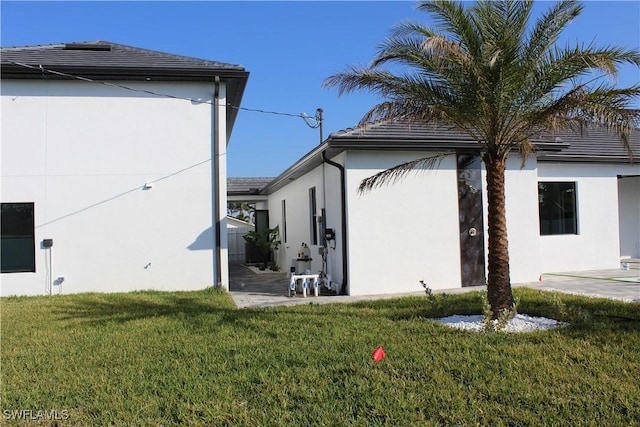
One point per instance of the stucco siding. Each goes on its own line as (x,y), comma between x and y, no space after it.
(523,230)
(82,153)
(597,243)
(405,232)
(298,217)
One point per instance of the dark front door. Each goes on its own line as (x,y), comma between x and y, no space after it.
(470,220)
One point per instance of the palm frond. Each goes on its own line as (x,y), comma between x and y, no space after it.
(559,67)
(397,173)
(548,28)
(526,149)
(430,57)
(412,29)
(457,22)
(359,78)
(605,106)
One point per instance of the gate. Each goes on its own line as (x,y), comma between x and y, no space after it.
(237,245)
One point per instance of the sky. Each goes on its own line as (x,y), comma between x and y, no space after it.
(288,47)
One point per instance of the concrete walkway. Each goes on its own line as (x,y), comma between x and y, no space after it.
(264,289)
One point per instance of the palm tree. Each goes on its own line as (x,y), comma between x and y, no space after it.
(486,71)
(241,210)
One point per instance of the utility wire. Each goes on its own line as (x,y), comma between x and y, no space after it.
(313,122)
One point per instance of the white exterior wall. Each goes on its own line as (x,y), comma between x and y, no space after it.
(82,154)
(406,232)
(296,195)
(335,257)
(402,233)
(523,222)
(597,244)
(421,238)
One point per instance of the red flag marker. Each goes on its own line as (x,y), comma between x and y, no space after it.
(378,354)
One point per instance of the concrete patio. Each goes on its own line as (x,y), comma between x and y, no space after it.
(264,289)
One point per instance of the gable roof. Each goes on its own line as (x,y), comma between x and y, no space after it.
(593,145)
(102,60)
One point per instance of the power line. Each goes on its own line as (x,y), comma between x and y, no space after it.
(311,121)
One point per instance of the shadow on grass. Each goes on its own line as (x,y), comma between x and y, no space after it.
(207,310)
(192,307)
(199,310)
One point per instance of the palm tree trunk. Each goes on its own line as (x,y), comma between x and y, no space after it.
(498,282)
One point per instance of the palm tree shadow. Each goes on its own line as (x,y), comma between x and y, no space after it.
(197,310)
(206,311)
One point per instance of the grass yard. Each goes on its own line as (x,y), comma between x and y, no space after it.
(191,358)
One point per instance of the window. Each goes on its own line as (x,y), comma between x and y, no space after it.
(557,206)
(313,216)
(284,221)
(18,250)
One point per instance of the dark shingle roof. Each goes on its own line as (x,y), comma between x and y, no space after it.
(401,131)
(103,57)
(102,60)
(245,186)
(593,145)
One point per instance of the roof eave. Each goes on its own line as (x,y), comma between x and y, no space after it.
(588,159)
(335,147)
(236,79)
(439,144)
(14,71)
(296,170)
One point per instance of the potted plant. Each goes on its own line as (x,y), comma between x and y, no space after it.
(266,242)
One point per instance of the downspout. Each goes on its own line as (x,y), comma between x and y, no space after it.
(343,212)
(217,270)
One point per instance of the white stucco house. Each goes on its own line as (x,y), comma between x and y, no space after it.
(574,206)
(113,168)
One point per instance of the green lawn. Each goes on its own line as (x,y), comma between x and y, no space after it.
(191,358)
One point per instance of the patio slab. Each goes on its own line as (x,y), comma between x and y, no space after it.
(265,289)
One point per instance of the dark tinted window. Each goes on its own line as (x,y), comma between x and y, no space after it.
(18,244)
(557,204)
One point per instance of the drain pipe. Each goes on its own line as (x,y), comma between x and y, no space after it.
(343,212)
(217,273)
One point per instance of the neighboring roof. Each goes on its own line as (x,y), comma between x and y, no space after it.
(595,145)
(246,186)
(102,60)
